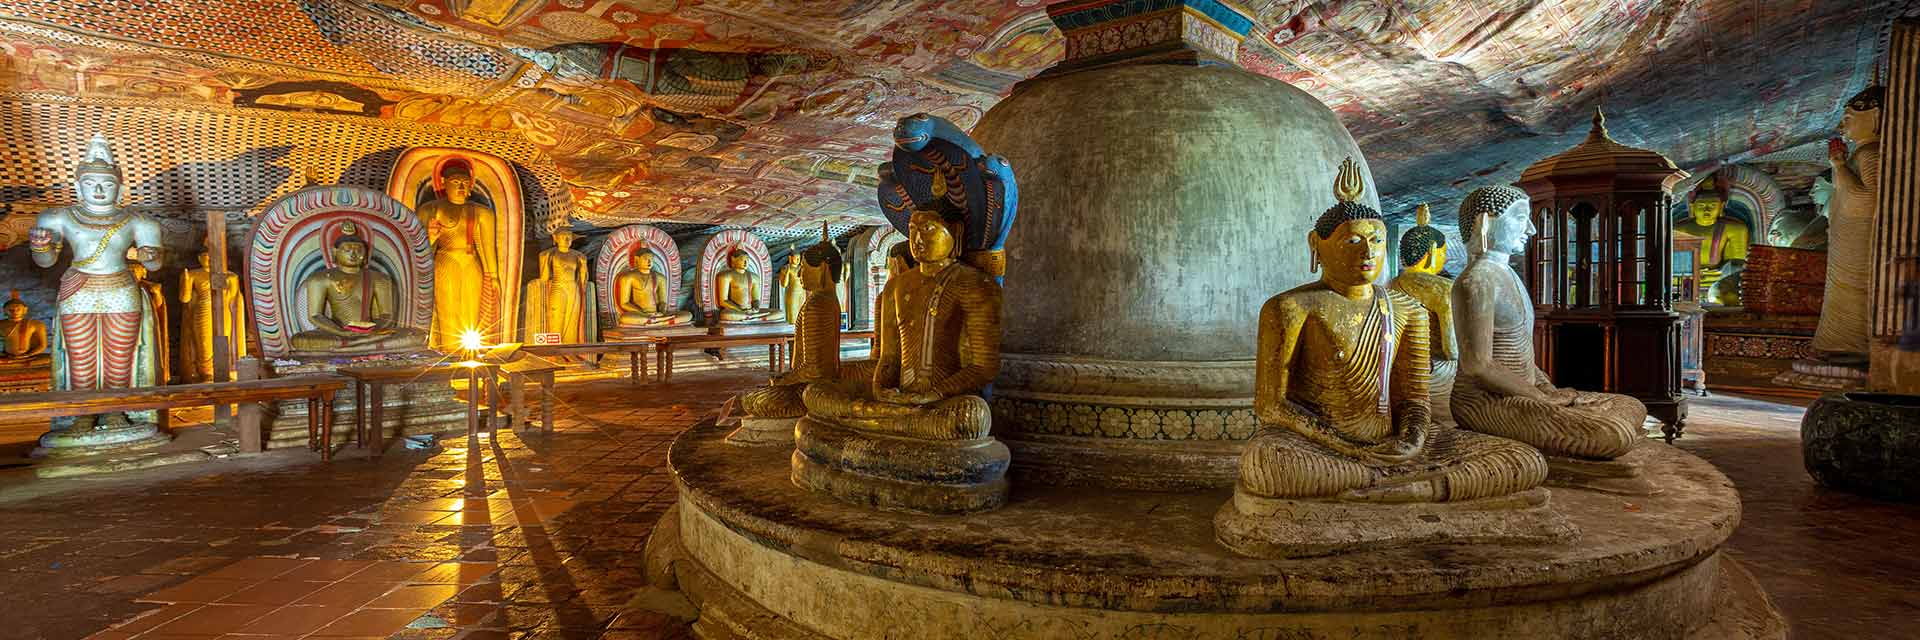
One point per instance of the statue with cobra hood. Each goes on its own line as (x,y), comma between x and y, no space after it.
(1500,391)
(1423,254)
(1348,457)
(770,411)
(108,335)
(915,435)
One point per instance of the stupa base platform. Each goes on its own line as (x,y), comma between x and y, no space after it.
(757,557)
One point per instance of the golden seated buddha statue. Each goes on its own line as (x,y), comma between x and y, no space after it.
(770,411)
(23,341)
(914,435)
(1423,254)
(352,307)
(640,297)
(737,291)
(1500,391)
(1346,441)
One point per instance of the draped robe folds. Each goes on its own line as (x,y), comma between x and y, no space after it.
(1844,319)
(106,338)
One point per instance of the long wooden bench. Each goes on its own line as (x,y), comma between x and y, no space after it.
(636,351)
(318,390)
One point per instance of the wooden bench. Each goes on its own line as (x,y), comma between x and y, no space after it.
(519,373)
(776,344)
(318,390)
(635,350)
(370,393)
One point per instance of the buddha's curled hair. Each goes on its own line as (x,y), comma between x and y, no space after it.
(1488,201)
(824,251)
(1418,241)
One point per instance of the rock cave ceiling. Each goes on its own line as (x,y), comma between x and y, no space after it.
(774,112)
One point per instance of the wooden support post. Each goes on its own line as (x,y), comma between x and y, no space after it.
(216,294)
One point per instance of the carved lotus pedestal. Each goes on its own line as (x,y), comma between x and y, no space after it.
(750,555)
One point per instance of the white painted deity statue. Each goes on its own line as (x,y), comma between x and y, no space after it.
(107,335)
(1844,322)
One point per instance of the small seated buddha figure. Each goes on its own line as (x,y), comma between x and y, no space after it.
(1347,452)
(772,410)
(737,291)
(352,306)
(913,436)
(1723,238)
(640,296)
(1500,391)
(25,338)
(1423,253)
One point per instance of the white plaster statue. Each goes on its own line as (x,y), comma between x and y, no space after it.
(1844,321)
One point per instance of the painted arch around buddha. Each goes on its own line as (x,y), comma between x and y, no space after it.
(417,179)
(292,240)
(713,260)
(616,255)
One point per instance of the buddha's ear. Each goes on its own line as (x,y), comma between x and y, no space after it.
(1313,252)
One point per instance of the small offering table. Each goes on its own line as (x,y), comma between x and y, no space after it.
(635,349)
(518,374)
(369,389)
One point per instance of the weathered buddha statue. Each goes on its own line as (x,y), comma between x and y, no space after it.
(196,321)
(352,306)
(1346,439)
(914,436)
(1499,390)
(1842,335)
(737,291)
(465,260)
(641,295)
(556,300)
(156,300)
(770,411)
(25,339)
(1722,238)
(107,336)
(1423,254)
(792,291)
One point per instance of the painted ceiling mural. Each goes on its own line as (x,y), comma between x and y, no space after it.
(774,112)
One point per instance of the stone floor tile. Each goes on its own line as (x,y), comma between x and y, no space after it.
(202,589)
(274,592)
(295,620)
(370,623)
(420,596)
(350,595)
(213,619)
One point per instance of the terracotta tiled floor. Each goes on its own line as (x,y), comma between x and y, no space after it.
(542,536)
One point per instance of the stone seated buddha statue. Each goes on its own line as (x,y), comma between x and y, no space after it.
(352,307)
(914,435)
(736,290)
(771,411)
(1499,390)
(1723,239)
(1347,458)
(25,343)
(640,297)
(1423,253)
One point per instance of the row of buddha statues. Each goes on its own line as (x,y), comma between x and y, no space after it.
(1389,413)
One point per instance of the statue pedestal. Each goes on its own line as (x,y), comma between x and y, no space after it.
(758,557)
(408,409)
(630,334)
(1808,373)
(29,376)
(724,328)
(71,442)
(1867,443)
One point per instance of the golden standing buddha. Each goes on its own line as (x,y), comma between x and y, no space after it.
(556,300)
(25,339)
(771,410)
(1500,391)
(465,260)
(158,300)
(1423,254)
(196,321)
(915,436)
(1340,390)
(793,291)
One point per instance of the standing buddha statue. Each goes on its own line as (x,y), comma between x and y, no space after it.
(1346,440)
(465,261)
(157,300)
(640,295)
(1723,239)
(25,339)
(771,411)
(196,321)
(108,334)
(914,435)
(736,290)
(1423,254)
(1499,390)
(556,301)
(792,290)
(1845,324)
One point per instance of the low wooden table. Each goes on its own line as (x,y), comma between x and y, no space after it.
(518,373)
(369,392)
(776,345)
(635,349)
(318,390)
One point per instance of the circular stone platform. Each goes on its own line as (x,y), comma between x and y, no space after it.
(760,558)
